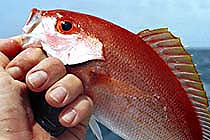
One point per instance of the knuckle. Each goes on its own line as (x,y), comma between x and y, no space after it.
(87,102)
(72,77)
(53,63)
(27,58)
(73,85)
(56,59)
(52,66)
(33,52)
(90,102)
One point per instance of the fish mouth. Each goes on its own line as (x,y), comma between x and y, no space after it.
(33,21)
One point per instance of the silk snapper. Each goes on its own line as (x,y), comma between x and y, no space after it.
(144,86)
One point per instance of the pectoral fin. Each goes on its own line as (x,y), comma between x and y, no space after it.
(95,128)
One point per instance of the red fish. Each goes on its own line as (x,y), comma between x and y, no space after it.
(144,86)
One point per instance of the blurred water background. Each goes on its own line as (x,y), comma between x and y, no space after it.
(189,20)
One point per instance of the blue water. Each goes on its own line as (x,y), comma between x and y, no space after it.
(201,57)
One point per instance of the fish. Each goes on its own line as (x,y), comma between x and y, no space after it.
(144,85)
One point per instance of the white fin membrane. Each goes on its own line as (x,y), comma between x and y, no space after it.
(95,128)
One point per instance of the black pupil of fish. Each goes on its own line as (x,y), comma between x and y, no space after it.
(66,26)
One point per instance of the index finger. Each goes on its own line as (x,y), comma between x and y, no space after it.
(10,47)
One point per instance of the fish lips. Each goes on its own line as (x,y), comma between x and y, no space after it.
(33,20)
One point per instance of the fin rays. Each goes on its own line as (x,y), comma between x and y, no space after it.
(179,61)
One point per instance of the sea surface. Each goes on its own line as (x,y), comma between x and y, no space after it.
(201,57)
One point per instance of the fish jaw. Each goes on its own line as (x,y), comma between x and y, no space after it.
(69,48)
(73,49)
(32,21)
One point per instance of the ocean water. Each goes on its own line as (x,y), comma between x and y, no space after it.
(201,57)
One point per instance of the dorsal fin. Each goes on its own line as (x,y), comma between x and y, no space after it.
(173,53)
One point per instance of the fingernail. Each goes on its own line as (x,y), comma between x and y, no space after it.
(69,116)
(58,94)
(37,79)
(15,71)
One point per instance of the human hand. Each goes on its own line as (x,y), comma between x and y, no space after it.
(32,64)
(16,117)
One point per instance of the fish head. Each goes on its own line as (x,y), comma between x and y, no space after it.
(64,35)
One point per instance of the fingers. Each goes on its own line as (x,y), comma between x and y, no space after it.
(76,112)
(10,47)
(22,63)
(64,91)
(68,92)
(41,72)
(44,74)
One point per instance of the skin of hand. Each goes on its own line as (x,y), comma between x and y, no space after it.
(40,73)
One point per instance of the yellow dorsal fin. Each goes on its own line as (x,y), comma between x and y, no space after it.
(180,62)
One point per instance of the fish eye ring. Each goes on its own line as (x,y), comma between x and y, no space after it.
(65,27)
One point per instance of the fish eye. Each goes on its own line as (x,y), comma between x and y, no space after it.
(65,27)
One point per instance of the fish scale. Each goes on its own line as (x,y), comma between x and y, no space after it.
(141,107)
(143,114)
